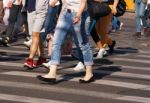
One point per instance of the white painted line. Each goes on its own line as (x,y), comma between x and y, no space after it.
(59,89)
(130,51)
(69,78)
(11,64)
(24,47)
(131,60)
(121,66)
(12,57)
(123,74)
(135,99)
(141,51)
(144,56)
(112,73)
(14,51)
(26,99)
(120,74)
(20,47)
(73,91)
(127,67)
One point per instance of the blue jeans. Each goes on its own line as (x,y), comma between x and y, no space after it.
(115,23)
(64,24)
(139,14)
(85,31)
(50,22)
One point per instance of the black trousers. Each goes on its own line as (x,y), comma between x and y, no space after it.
(94,34)
(14,11)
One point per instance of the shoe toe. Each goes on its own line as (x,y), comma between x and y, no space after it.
(49,80)
(87,81)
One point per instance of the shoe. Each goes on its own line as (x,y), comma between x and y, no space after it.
(87,81)
(146,32)
(49,80)
(39,62)
(113,30)
(111,47)
(47,65)
(121,24)
(100,53)
(29,63)
(79,67)
(4,42)
(137,34)
(106,53)
(28,43)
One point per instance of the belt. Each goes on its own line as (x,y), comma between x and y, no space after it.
(70,10)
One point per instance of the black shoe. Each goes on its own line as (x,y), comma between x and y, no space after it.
(4,42)
(49,80)
(88,81)
(111,47)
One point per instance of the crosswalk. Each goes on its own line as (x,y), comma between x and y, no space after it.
(124,79)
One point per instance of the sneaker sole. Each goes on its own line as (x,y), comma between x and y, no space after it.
(28,66)
(47,67)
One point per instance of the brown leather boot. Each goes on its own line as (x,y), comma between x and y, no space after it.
(146,32)
(137,34)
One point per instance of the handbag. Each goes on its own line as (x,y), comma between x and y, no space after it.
(97,10)
(121,8)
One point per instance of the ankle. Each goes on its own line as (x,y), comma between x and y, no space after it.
(87,76)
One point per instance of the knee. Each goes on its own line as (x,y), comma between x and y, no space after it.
(35,34)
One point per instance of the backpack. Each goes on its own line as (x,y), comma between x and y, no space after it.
(121,7)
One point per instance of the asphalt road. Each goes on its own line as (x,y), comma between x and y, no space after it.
(123,77)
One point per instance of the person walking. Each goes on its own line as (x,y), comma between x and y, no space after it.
(140,20)
(41,10)
(14,11)
(70,19)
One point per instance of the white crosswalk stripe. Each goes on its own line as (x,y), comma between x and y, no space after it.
(144,56)
(27,99)
(131,60)
(74,91)
(112,73)
(102,82)
(108,82)
(14,51)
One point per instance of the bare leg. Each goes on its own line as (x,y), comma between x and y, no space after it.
(52,72)
(88,73)
(35,44)
(50,45)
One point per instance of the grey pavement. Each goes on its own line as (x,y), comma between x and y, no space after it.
(123,77)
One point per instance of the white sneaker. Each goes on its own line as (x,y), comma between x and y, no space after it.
(47,65)
(101,53)
(28,43)
(79,67)
(121,24)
